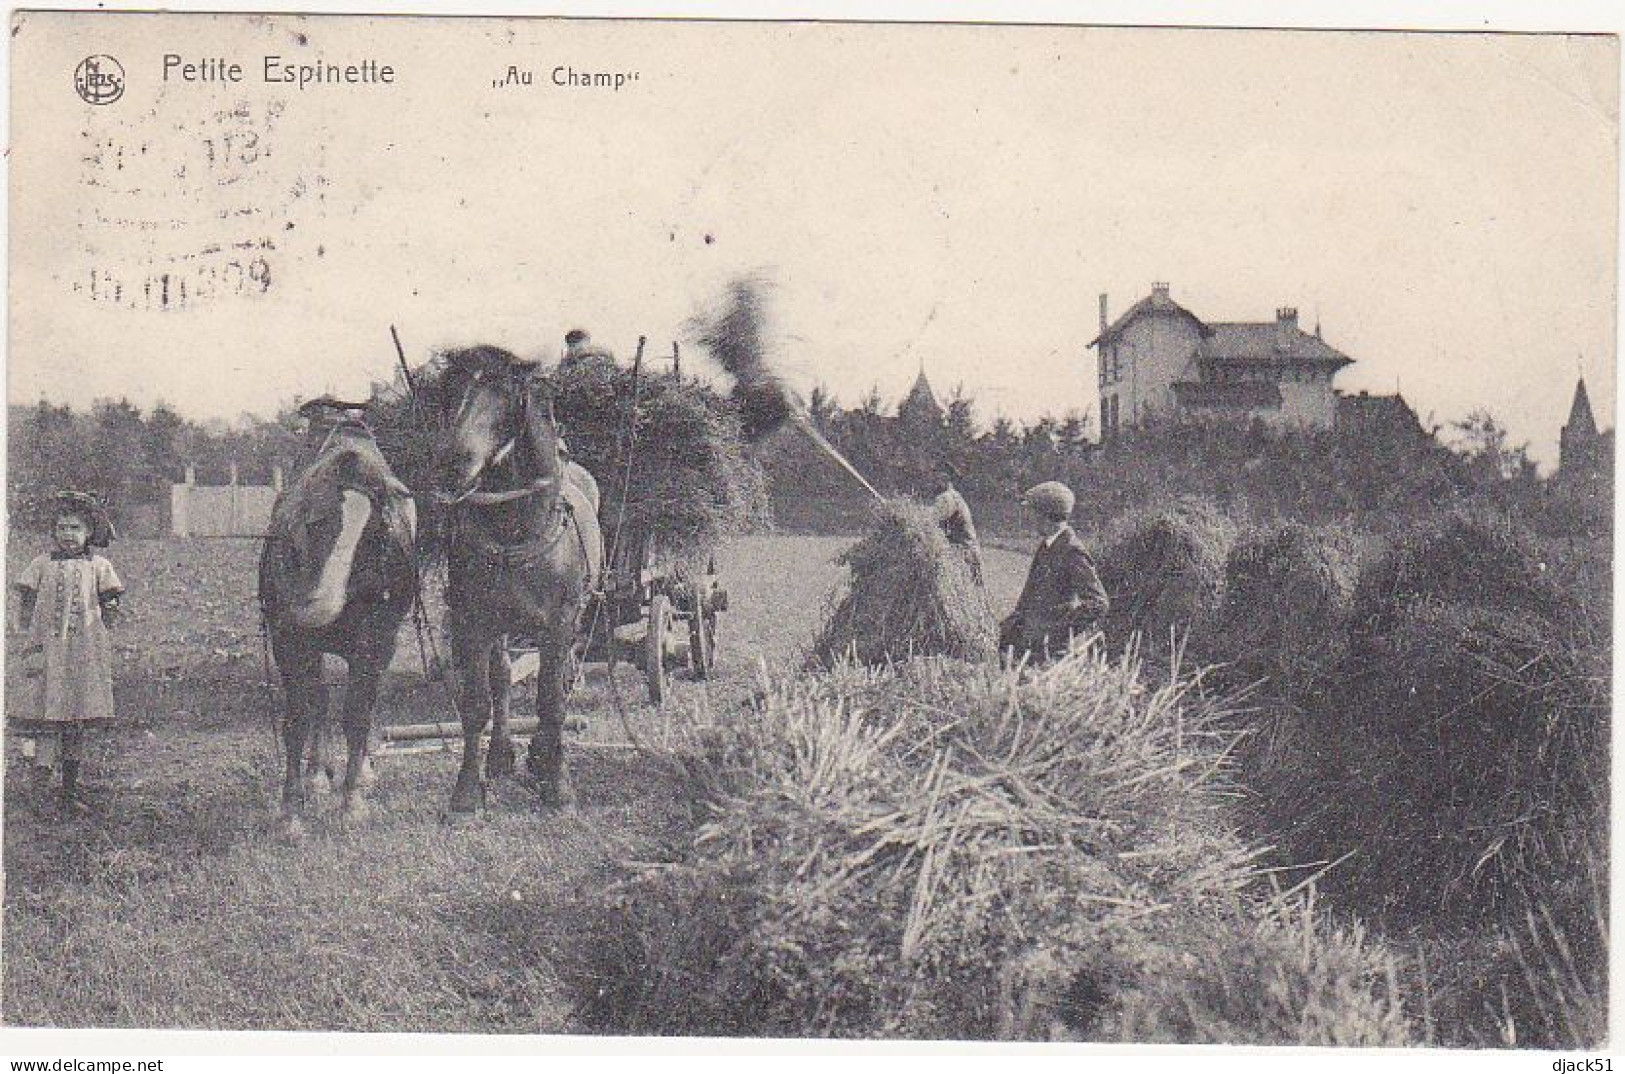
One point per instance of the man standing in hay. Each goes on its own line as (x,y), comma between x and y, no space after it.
(579,347)
(1063,597)
(953,515)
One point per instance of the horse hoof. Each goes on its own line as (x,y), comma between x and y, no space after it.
(291,830)
(366,776)
(499,760)
(558,793)
(467,799)
(355,812)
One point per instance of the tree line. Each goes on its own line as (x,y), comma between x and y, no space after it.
(1381,472)
(131,457)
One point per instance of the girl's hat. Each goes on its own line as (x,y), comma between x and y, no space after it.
(89,507)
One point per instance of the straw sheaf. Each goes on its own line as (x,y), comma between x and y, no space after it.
(945,850)
(910,593)
(1165,573)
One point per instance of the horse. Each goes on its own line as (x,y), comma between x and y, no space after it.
(338,574)
(523,555)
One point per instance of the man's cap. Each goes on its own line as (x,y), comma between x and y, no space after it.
(1050,499)
(576,336)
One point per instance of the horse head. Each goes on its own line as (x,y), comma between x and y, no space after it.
(495,413)
(343,531)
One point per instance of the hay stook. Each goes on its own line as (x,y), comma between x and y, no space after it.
(1165,573)
(910,593)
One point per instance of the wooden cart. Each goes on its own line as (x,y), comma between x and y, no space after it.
(658,619)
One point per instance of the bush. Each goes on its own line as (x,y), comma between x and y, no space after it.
(948,850)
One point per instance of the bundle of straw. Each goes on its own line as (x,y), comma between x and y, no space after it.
(737,336)
(1283,617)
(939,850)
(911,593)
(1165,574)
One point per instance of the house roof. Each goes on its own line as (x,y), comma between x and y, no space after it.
(1367,411)
(1154,303)
(1266,341)
(1580,416)
(1236,394)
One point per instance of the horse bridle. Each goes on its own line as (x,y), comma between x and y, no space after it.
(473,497)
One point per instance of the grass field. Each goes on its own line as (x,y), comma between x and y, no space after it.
(175,906)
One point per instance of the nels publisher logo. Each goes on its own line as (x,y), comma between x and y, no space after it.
(99,79)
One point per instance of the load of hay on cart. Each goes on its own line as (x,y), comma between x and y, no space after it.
(675,479)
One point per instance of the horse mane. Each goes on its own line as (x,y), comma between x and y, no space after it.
(540,434)
(485,358)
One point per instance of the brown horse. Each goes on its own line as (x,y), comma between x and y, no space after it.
(523,554)
(338,574)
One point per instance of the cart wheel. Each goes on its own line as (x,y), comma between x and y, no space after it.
(702,643)
(654,647)
(699,645)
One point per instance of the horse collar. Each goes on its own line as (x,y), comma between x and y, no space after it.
(498,552)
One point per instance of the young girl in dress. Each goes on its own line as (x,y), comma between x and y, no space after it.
(67,598)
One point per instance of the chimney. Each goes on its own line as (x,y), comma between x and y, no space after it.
(1286,325)
(1104,323)
(1159,292)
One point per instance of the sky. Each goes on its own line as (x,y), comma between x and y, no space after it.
(952,198)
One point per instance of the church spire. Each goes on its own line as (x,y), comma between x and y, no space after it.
(921,401)
(1581,420)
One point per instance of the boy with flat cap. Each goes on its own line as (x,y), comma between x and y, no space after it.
(1063,596)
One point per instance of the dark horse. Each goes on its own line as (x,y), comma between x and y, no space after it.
(338,575)
(523,553)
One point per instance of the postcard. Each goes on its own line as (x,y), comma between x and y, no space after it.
(810,529)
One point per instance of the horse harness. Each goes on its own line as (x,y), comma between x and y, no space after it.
(387,500)
(499,558)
